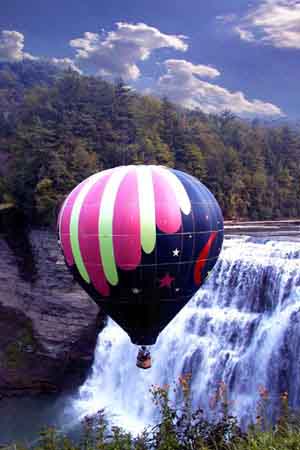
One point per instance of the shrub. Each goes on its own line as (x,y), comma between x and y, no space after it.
(182,428)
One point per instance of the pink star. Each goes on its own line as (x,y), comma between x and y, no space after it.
(166,281)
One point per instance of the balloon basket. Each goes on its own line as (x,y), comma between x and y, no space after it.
(143,360)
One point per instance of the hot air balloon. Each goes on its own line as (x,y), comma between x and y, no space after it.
(141,240)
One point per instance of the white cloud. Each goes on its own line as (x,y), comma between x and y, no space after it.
(11,50)
(182,85)
(65,63)
(11,46)
(117,53)
(274,22)
(244,34)
(186,67)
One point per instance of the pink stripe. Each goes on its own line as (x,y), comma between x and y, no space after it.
(89,235)
(126,224)
(167,210)
(98,279)
(59,214)
(65,224)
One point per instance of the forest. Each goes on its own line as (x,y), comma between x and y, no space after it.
(56,128)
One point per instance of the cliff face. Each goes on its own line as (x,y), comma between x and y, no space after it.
(48,325)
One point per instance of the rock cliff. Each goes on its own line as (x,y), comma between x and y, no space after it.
(48,325)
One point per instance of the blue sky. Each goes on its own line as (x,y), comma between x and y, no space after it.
(221,54)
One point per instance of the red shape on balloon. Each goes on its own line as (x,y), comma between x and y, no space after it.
(202,258)
(88,235)
(126,224)
(166,281)
(65,219)
(167,210)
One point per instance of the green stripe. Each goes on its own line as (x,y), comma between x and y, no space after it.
(74,223)
(106,224)
(178,188)
(147,208)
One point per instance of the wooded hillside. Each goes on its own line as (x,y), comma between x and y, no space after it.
(56,128)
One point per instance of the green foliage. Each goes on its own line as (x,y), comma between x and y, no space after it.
(56,128)
(182,428)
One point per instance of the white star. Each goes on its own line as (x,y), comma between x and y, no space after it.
(190,236)
(177,289)
(176,252)
(136,290)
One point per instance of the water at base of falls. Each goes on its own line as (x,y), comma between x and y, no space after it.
(242,327)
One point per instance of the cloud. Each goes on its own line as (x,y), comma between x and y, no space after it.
(244,34)
(117,53)
(182,85)
(11,50)
(274,22)
(11,47)
(186,68)
(65,64)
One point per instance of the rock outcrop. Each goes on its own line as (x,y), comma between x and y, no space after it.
(48,325)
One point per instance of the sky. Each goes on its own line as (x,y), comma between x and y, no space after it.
(214,55)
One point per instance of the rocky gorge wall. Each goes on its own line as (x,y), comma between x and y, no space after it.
(48,325)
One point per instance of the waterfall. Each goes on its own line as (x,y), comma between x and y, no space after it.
(242,327)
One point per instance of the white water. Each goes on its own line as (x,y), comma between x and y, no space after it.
(243,327)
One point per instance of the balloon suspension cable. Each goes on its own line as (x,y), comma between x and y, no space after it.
(143,360)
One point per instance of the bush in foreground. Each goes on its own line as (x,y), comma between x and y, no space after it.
(183,428)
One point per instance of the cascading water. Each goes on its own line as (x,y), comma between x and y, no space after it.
(243,327)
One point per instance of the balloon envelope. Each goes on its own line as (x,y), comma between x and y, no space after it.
(141,240)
